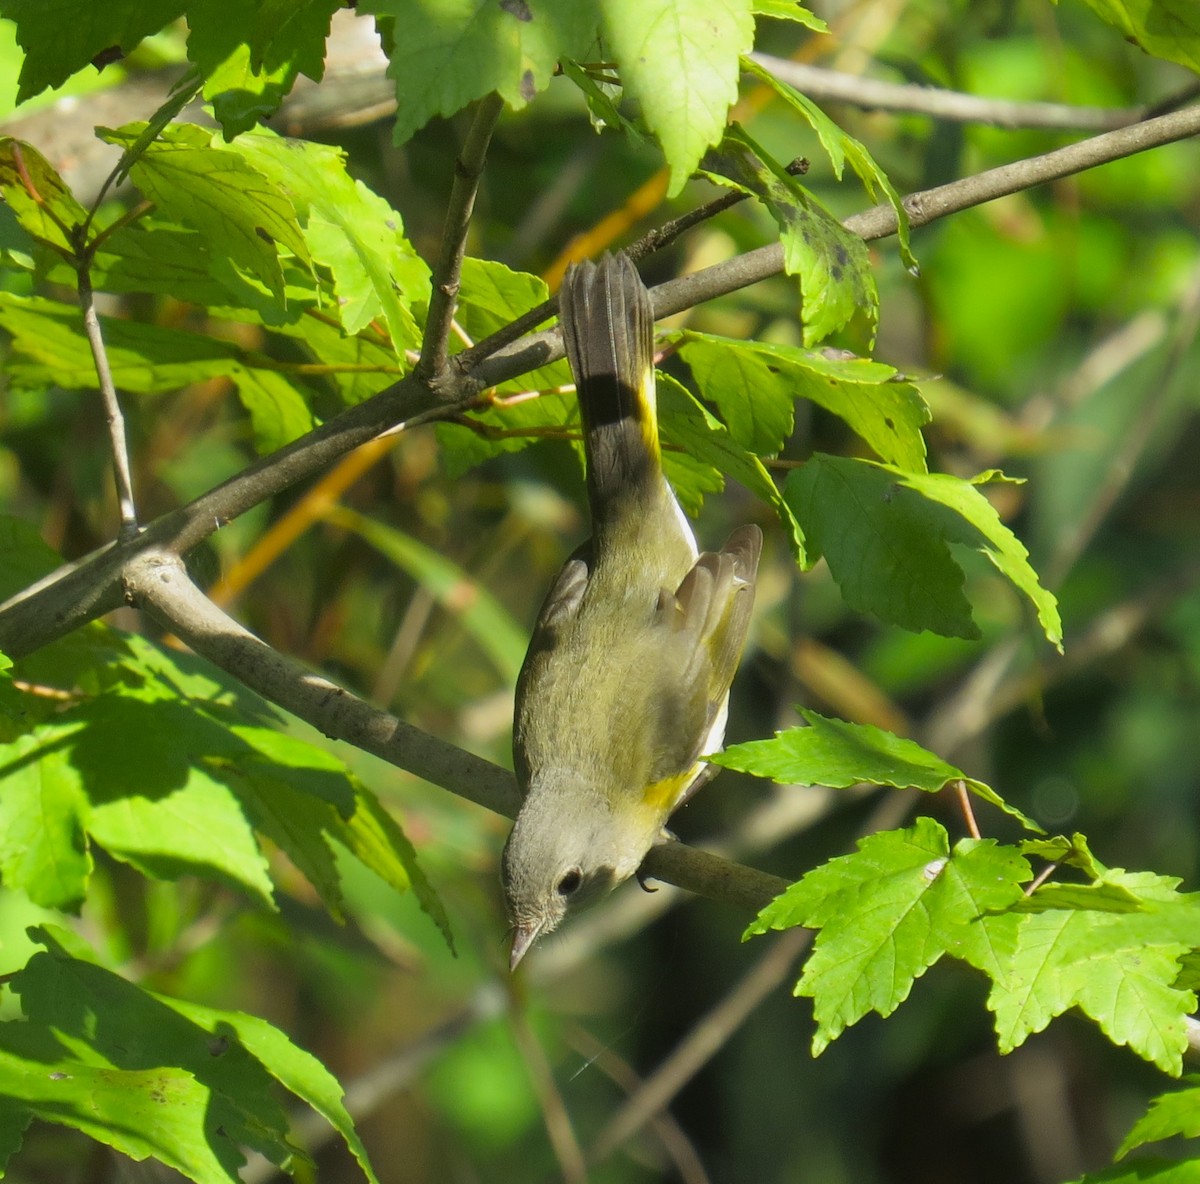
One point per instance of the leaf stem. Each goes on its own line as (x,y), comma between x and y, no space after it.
(447,275)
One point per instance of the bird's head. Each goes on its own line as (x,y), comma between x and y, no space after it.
(558,860)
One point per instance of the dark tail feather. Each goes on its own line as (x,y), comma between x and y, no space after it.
(608,325)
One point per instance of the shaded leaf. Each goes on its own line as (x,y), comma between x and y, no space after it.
(843,148)
(886,535)
(250,54)
(195,180)
(836,281)
(199,1078)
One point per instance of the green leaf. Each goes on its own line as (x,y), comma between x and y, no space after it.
(48,337)
(192,178)
(492,295)
(1074,852)
(841,147)
(43,851)
(451,52)
(1148,1171)
(838,754)
(1119,968)
(691,478)
(1189,972)
(754,385)
(250,54)
(36,194)
(350,230)
(157,804)
(279,411)
(480,613)
(602,102)
(25,557)
(185,1084)
(1168,29)
(152,255)
(375,839)
(680,63)
(1099,897)
(886,535)
(1170,1115)
(685,422)
(836,280)
(790,10)
(888,912)
(62,36)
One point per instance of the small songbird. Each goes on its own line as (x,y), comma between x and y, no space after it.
(626,682)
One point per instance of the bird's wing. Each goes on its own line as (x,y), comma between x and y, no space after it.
(560,606)
(709,614)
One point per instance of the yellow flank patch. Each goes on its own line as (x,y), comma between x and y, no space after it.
(649,413)
(662,796)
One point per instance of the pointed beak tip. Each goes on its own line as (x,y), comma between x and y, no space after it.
(523,938)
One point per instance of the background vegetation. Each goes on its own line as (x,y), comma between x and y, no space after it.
(1052,334)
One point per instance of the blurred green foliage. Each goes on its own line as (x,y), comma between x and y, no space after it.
(1060,327)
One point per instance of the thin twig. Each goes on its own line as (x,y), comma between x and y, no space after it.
(447,274)
(651,241)
(1041,878)
(873,94)
(1133,442)
(397,1070)
(968,812)
(557,1121)
(668,1132)
(108,394)
(702,1043)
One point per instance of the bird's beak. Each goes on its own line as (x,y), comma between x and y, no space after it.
(523,938)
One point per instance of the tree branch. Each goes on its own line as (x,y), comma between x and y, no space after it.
(83,591)
(447,275)
(873,94)
(704,1040)
(157,582)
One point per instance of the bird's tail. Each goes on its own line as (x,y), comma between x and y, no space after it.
(608,325)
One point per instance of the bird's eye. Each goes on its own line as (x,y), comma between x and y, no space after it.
(570,882)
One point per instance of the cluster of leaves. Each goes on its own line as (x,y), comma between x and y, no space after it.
(260,230)
(1118,946)
(83,722)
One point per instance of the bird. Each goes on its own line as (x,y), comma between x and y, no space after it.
(625,685)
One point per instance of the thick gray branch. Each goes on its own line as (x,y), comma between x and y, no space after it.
(158,583)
